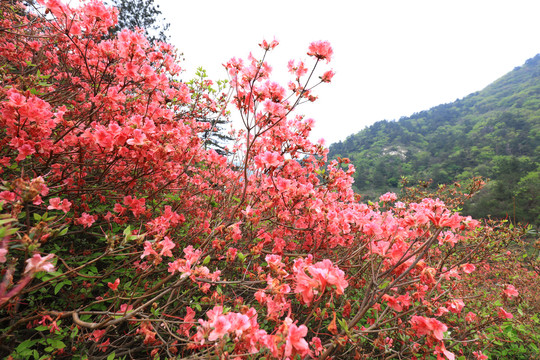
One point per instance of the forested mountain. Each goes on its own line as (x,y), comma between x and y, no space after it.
(494,133)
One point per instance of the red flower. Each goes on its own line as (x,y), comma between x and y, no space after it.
(296,344)
(503,314)
(269,45)
(327,76)
(37,263)
(321,50)
(428,326)
(468,268)
(56,204)
(86,219)
(510,291)
(114,285)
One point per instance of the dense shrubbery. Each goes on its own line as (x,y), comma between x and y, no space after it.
(122,236)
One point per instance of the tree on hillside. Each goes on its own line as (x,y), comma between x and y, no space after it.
(144,14)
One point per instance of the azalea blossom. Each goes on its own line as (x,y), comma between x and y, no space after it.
(327,76)
(470,317)
(86,219)
(268,159)
(455,305)
(114,286)
(468,268)
(98,334)
(428,326)
(321,50)
(269,45)
(166,246)
(38,263)
(479,355)
(503,314)
(389,196)
(221,326)
(510,291)
(296,344)
(56,204)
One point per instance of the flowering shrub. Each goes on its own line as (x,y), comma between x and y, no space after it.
(123,235)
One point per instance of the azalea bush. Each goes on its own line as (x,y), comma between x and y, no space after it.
(124,235)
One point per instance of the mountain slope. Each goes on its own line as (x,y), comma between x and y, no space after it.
(494,133)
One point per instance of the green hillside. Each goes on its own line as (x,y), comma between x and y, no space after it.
(494,133)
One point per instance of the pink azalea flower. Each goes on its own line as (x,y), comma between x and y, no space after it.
(428,326)
(221,326)
(16,99)
(470,317)
(239,323)
(480,355)
(3,253)
(125,308)
(317,345)
(148,250)
(114,286)
(440,349)
(455,305)
(269,45)
(167,245)
(321,50)
(104,345)
(503,314)
(56,204)
(468,268)
(299,69)
(138,138)
(327,76)
(392,302)
(389,196)
(24,151)
(98,334)
(8,196)
(268,159)
(37,263)
(86,219)
(510,291)
(104,138)
(296,344)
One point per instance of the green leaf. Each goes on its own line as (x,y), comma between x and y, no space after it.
(6,221)
(111,356)
(74,332)
(61,285)
(25,345)
(207,260)
(343,324)
(56,344)
(37,217)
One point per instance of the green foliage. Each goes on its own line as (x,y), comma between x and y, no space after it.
(494,133)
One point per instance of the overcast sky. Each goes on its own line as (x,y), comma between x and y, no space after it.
(392,58)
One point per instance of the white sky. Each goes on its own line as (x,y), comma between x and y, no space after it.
(391,57)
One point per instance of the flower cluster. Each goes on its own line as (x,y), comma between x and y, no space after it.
(168,247)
